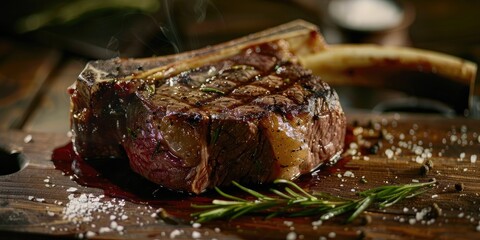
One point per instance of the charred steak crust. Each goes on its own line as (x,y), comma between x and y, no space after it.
(252,117)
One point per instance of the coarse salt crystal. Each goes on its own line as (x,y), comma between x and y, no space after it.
(113,225)
(217,230)
(28,139)
(46,180)
(196,225)
(288,223)
(412,221)
(434,196)
(405,209)
(415,180)
(40,199)
(462,155)
(348,174)
(124,217)
(196,234)
(90,234)
(120,228)
(317,223)
(31,198)
(104,230)
(175,233)
(51,214)
(71,189)
(113,217)
(291,236)
(389,153)
(473,158)
(332,235)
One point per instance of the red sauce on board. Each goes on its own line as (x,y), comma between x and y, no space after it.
(113,175)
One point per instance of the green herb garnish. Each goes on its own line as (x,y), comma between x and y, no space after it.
(131,133)
(150,89)
(215,135)
(213,90)
(294,202)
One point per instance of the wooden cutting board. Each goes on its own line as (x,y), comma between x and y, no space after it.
(39,201)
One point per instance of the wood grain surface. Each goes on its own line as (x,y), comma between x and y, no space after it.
(23,71)
(35,203)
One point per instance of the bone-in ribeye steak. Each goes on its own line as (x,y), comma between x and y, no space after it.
(251,117)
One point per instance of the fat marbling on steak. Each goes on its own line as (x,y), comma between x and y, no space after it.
(252,117)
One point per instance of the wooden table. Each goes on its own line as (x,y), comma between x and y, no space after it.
(40,201)
(35,204)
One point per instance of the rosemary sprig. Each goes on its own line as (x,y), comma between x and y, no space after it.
(294,201)
(212,90)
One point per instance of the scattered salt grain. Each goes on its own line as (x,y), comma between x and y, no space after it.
(196,234)
(41,200)
(317,223)
(113,225)
(332,235)
(462,156)
(113,217)
(46,180)
(415,180)
(175,233)
(28,139)
(434,196)
(217,230)
(412,221)
(288,223)
(473,158)
(31,198)
(196,225)
(104,230)
(51,214)
(389,153)
(90,234)
(348,174)
(405,209)
(291,236)
(71,189)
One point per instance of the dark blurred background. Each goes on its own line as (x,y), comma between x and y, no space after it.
(143,28)
(45,44)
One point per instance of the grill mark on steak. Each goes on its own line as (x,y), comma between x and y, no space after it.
(253,117)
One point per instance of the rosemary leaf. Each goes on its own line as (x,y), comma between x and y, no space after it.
(362,206)
(212,90)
